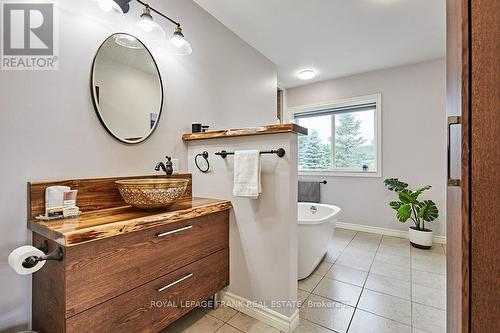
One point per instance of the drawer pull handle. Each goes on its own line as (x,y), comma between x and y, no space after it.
(174,283)
(163,234)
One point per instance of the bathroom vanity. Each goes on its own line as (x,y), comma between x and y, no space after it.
(125,269)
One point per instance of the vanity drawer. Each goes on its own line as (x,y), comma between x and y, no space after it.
(101,270)
(139,310)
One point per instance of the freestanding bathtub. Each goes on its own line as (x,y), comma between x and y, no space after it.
(315,229)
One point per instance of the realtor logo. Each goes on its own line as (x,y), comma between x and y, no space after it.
(28,36)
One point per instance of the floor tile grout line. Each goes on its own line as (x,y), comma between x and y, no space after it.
(364,283)
(430,306)
(375,314)
(386,294)
(351,284)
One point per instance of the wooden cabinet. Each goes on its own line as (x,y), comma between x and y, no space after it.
(154,305)
(135,282)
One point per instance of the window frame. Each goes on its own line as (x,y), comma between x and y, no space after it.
(373,98)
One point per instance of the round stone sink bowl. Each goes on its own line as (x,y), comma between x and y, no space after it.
(152,193)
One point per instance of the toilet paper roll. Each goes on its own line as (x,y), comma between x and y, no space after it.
(17,257)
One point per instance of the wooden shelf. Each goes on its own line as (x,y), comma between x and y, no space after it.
(260,130)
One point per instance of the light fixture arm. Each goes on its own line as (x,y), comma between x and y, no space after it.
(157,12)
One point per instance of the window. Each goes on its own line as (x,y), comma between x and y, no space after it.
(344,137)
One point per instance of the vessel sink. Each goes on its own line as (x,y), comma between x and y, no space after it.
(152,193)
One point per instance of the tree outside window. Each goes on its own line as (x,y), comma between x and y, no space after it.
(339,141)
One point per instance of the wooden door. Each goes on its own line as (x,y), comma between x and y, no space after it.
(473,217)
(485,164)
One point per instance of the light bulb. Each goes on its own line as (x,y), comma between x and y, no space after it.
(178,44)
(146,25)
(109,5)
(147,29)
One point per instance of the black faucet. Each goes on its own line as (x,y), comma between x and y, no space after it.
(166,167)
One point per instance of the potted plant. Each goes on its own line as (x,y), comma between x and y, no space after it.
(409,207)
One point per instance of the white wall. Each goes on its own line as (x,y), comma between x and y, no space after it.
(49,130)
(413,140)
(263,232)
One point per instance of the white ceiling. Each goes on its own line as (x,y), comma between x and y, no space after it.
(336,37)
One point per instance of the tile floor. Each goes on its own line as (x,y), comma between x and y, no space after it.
(366,283)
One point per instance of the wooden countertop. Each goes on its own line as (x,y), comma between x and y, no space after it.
(260,130)
(104,223)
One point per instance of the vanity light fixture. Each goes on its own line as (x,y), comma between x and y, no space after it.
(306,74)
(149,30)
(177,44)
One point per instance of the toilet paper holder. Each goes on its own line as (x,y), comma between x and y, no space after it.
(57,254)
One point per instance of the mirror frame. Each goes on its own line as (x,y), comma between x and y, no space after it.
(94,102)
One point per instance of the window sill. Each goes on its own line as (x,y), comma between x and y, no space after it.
(341,174)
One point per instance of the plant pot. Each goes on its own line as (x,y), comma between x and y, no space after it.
(421,239)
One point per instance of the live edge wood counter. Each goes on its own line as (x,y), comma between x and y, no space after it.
(127,270)
(100,224)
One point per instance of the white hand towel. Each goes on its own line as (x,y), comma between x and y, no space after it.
(247,174)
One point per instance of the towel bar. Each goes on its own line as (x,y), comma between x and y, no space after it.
(280,152)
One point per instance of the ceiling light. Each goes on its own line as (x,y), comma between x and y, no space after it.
(147,29)
(178,44)
(306,74)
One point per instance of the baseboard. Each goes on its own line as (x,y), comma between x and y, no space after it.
(260,312)
(383,231)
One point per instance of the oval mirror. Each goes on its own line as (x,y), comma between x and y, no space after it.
(126,88)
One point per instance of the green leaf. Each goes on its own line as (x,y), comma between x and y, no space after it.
(428,211)
(404,213)
(407,197)
(394,184)
(421,190)
(395,204)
